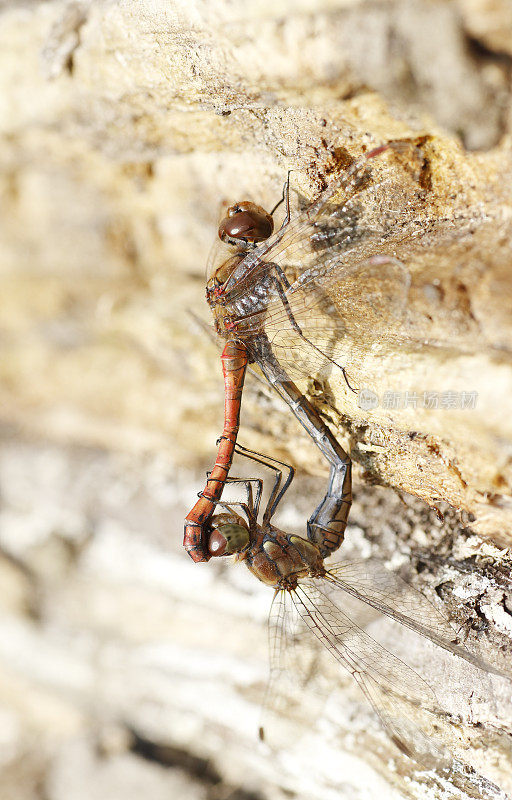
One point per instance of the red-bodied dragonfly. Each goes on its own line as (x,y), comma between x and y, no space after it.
(293,301)
(307,612)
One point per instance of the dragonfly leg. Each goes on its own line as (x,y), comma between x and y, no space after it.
(278,491)
(285,198)
(282,285)
(326,526)
(252,505)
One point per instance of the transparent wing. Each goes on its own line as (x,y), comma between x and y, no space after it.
(365,209)
(336,273)
(385,591)
(354,648)
(304,624)
(390,686)
(366,313)
(298,683)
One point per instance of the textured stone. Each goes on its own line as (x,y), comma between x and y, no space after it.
(123,129)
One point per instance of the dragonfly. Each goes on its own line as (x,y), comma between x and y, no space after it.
(307,612)
(301,300)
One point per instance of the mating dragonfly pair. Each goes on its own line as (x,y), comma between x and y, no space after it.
(285,300)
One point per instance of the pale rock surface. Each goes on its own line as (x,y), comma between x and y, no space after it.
(125,668)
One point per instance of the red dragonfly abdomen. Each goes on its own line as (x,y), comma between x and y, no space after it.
(234,364)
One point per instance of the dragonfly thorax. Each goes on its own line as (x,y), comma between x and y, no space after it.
(280,559)
(236,313)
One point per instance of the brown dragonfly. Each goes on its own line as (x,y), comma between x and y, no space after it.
(299,301)
(307,614)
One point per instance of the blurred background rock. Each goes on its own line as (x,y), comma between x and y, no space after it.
(124,668)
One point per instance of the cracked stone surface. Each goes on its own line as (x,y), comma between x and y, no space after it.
(124,128)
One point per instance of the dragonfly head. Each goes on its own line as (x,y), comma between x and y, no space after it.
(229,535)
(246,224)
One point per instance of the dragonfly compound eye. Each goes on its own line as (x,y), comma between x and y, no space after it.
(246,222)
(228,539)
